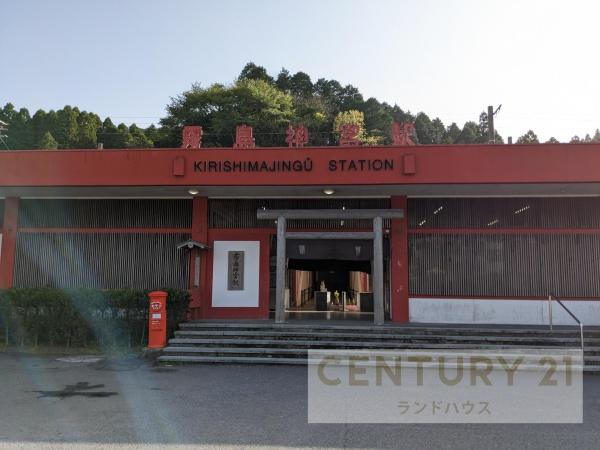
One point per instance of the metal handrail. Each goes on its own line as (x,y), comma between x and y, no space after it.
(573,316)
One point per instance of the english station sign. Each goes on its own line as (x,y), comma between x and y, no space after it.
(293,165)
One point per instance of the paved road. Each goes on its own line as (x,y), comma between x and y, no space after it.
(131,403)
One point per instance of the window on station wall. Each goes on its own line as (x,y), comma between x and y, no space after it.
(504,265)
(490,213)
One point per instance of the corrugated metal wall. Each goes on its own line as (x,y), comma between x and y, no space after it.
(520,265)
(505,265)
(226,213)
(127,213)
(504,213)
(108,261)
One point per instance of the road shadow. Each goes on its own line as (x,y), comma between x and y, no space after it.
(80,389)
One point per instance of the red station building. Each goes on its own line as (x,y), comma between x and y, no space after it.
(433,234)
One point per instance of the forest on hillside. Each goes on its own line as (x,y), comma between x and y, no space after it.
(265,102)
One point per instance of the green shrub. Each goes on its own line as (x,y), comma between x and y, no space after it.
(82,317)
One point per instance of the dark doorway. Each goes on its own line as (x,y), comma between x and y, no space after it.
(329,285)
(327,279)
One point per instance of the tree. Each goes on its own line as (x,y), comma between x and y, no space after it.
(424,129)
(107,134)
(528,138)
(398,115)
(47,141)
(469,134)
(552,140)
(596,137)
(253,72)
(157,136)
(301,85)
(356,118)
(453,133)
(438,132)
(378,121)
(220,108)
(67,130)
(283,80)
(256,99)
(575,140)
(19,127)
(138,138)
(587,139)
(483,130)
(315,113)
(87,129)
(39,126)
(123,138)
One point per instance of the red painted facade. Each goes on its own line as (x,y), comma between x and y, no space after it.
(468,164)
(399,263)
(200,234)
(328,166)
(9,242)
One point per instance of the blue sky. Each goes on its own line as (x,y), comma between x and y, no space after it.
(125,59)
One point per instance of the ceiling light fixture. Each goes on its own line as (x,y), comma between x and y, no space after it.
(193,192)
(328,191)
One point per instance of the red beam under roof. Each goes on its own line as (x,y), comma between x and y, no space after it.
(456,164)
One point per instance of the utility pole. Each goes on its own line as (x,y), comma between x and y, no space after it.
(490,116)
(3,128)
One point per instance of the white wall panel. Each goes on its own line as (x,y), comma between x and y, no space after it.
(501,311)
(248,297)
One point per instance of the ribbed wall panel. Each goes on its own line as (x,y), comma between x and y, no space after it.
(108,213)
(107,261)
(1,213)
(505,265)
(227,213)
(491,213)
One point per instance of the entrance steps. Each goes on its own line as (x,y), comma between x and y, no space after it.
(269,343)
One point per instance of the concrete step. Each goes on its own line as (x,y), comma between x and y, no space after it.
(333,344)
(274,352)
(270,343)
(389,329)
(205,359)
(278,352)
(400,339)
(229,360)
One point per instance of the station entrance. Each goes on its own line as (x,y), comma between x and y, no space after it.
(329,279)
(318,245)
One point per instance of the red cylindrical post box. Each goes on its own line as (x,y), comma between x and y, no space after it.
(157,319)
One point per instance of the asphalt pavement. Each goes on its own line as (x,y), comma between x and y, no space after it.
(129,403)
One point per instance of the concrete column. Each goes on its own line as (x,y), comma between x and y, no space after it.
(9,242)
(377,272)
(280,277)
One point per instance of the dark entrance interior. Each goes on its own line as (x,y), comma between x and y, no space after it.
(327,279)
